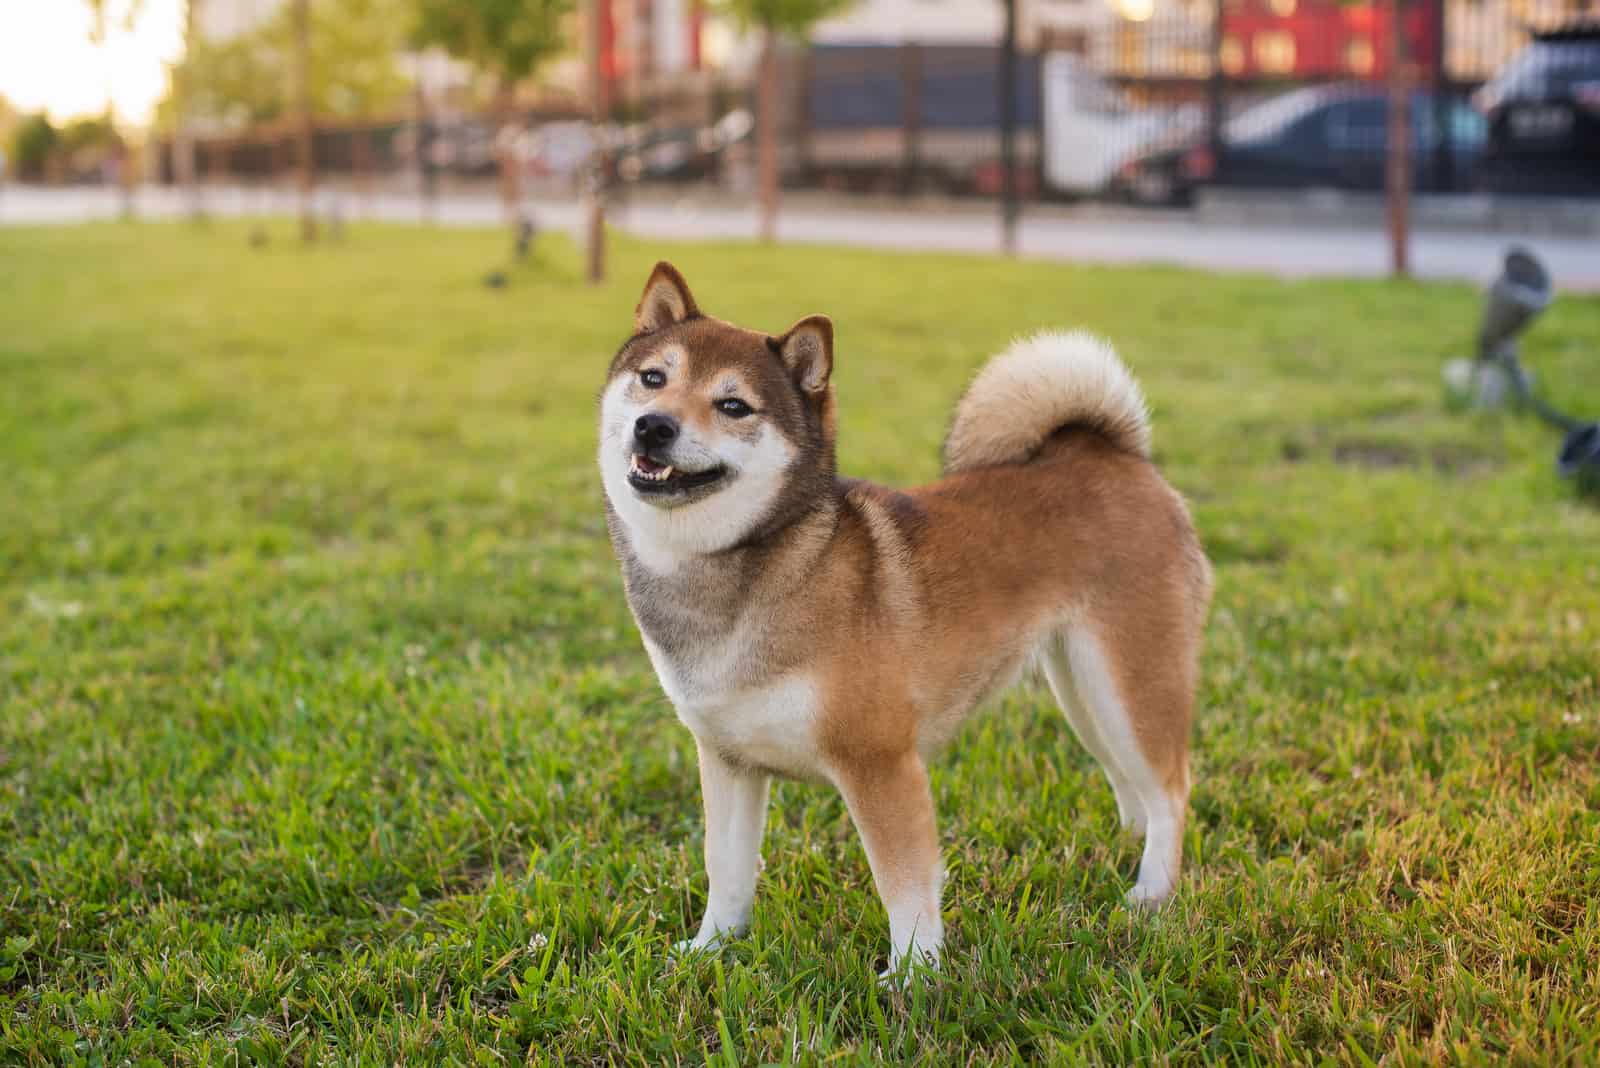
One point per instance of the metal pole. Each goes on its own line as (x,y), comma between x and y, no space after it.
(1444,145)
(1009,208)
(1398,172)
(1215,102)
(805,74)
(911,115)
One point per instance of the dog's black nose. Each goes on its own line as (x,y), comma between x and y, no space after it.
(655,429)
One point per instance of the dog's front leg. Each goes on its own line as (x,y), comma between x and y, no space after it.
(892,807)
(736,814)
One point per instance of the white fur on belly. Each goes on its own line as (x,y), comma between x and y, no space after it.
(770,725)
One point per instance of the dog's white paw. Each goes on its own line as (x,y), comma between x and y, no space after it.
(907,969)
(707,941)
(1149,898)
(691,946)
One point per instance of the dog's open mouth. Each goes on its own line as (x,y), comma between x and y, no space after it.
(649,476)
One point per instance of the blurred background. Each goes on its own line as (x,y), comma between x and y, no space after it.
(1135,117)
(326,735)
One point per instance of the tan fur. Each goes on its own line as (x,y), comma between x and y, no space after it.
(899,611)
(1039,385)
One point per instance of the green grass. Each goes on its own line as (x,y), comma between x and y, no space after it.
(325,734)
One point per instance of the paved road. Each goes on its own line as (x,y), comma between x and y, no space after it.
(1090,235)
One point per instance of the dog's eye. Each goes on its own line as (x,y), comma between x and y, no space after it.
(652,378)
(733,406)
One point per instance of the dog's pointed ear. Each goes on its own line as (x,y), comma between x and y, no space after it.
(666,300)
(807,351)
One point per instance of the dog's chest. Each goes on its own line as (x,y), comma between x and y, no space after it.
(762,722)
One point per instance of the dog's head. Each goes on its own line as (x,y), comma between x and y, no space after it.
(711,434)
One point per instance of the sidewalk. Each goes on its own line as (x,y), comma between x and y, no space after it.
(1089,234)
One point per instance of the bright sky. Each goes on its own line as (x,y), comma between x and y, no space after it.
(47,61)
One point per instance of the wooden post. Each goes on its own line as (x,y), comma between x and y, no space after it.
(767,135)
(307,125)
(1009,208)
(1397,175)
(805,75)
(595,189)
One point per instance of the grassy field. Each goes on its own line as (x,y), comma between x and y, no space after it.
(325,734)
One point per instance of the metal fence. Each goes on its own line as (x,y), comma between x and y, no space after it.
(1145,100)
(1298,92)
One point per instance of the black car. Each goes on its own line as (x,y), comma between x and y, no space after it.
(1544,115)
(1333,136)
(683,153)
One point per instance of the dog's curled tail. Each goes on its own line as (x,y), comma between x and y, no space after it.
(1039,385)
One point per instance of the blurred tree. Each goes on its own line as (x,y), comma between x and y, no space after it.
(125,13)
(507,40)
(85,146)
(774,18)
(246,79)
(183,153)
(33,147)
(353,72)
(355,50)
(8,125)
(233,83)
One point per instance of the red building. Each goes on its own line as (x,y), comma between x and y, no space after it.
(642,40)
(1312,39)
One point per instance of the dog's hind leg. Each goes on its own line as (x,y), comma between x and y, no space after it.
(1058,673)
(1143,721)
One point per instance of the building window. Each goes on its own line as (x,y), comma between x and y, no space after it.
(1232,55)
(1274,51)
(1359,57)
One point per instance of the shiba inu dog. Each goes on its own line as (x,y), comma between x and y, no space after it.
(828,629)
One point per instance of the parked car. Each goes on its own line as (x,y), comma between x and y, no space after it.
(1332,136)
(682,153)
(892,116)
(1543,110)
(561,150)
(1091,130)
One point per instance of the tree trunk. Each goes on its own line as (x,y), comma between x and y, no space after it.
(595,179)
(121,159)
(426,187)
(767,135)
(183,155)
(505,119)
(307,130)
(127,179)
